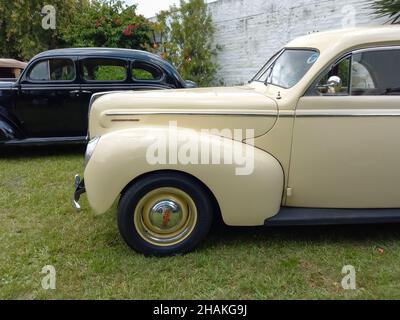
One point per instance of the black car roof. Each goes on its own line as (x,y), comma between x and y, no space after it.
(108,52)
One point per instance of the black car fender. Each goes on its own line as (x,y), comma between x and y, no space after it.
(9,129)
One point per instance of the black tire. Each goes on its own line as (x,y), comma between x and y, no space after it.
(131,197)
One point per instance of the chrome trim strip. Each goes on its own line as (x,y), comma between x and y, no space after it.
(125,120)
(377,48)
(252,113)
(349,113)
(260,113)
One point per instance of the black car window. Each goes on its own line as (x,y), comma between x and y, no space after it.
(53,70)
(376,73)
(100,69)
(147,72)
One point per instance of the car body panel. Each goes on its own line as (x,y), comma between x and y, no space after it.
(121,157)
(333,152)
(212,108)
(346,158)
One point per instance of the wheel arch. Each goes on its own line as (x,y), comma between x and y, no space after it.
(214,201)
(244,199)
(9,129)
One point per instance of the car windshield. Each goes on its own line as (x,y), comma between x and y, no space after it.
(288,68)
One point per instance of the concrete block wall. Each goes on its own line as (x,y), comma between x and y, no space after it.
(251,31)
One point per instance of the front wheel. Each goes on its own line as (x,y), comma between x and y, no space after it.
(165,214)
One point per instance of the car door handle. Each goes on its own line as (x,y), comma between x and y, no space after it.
(74,93)
(87,92)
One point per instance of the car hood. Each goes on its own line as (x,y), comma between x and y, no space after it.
(200,108)
(227,98)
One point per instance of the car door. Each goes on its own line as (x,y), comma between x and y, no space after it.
(101,74)
(48,98)
(346,146)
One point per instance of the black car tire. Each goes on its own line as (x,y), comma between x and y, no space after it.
(130,217)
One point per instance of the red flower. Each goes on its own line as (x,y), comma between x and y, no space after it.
(127,32)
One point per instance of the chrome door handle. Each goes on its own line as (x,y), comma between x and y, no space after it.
(74,93)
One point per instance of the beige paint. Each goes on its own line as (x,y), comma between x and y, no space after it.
(339,152)
(213,108)
(120,157)
(350,160)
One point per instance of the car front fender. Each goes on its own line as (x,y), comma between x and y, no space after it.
(247,193)
(8,128)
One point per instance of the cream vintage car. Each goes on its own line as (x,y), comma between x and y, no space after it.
(313,139)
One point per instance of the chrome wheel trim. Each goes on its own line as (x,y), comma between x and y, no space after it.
(165,216)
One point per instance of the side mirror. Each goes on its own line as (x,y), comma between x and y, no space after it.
(190,84)
(333,85)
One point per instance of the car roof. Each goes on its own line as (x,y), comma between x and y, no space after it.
(12,63)
(106,52)
(344,39)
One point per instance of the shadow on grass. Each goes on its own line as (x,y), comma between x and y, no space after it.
(11,152)
(354,234)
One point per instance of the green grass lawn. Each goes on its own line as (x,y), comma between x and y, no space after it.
(38,227)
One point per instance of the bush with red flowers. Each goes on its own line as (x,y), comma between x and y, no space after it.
(107,23)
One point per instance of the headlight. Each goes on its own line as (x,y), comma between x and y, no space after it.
(90,149)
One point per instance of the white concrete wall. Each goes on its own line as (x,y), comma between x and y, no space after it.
(250,31)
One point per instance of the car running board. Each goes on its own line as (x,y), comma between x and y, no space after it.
(290,216)
(45,141)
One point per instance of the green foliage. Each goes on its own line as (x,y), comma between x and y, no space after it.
(110,73)
(387,9)
(21,32)
(107,23)
(189,33)
(140,74)
(79,23)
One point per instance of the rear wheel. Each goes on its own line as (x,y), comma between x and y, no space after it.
(165,214)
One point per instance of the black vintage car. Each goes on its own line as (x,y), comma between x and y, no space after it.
(49,102)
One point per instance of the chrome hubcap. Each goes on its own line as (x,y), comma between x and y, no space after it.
(166,215)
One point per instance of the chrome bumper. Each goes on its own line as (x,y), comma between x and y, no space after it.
(79,186)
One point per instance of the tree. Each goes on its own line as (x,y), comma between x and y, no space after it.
(79,23)
(387,9)
(189,33)
(21,31)
(107,23)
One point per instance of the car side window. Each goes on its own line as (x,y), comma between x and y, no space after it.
(376,73)
(100,69)
(336,80)
(53,70)
(146,72)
